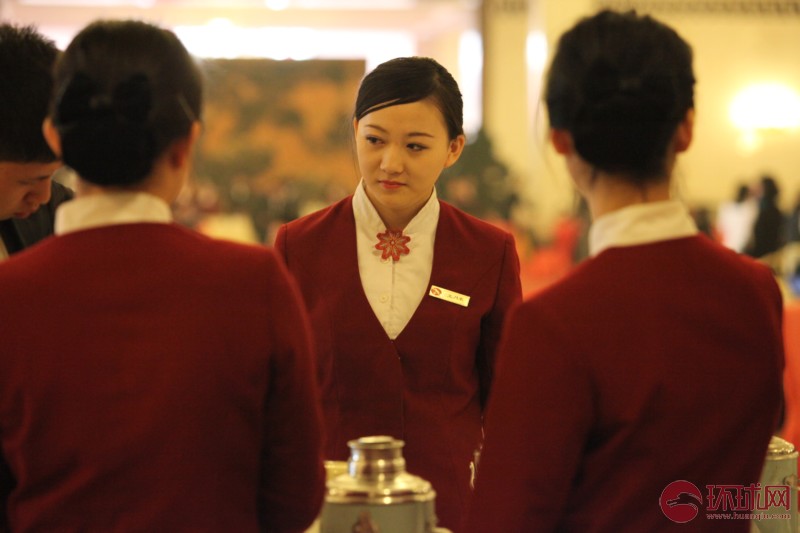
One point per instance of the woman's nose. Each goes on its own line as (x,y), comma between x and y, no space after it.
(392,161)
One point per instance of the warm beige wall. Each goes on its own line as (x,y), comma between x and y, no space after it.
(506,113)
(510,111)
(731,51)
(515,117)
(550,187)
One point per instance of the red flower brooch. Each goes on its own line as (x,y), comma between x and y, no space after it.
(393,244)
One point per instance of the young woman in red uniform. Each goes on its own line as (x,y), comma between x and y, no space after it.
(151,378)
(659,358)
(407,294)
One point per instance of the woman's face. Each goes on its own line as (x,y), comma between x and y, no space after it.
(402,150)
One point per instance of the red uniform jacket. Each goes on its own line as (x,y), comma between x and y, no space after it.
(649,364)
(152,379)
(426,386)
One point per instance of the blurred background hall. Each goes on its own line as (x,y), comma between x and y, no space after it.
(282,77)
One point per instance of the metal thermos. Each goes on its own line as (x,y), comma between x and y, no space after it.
(376,494)
(780,469)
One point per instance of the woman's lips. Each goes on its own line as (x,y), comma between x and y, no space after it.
(391,184)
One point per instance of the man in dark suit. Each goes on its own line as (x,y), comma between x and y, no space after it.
(28,195)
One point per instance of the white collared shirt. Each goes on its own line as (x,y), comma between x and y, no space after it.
(641,224)
(394,289)
(106,209)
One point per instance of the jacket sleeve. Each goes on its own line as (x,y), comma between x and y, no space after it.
(292,476)
(509,293)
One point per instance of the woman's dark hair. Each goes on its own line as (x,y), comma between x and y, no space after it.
(410,79)
(125,90)
(621,84)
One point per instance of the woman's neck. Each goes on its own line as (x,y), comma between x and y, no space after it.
(158,183)
(394,220)
(607,194)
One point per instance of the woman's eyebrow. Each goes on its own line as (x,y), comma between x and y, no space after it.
(411,134)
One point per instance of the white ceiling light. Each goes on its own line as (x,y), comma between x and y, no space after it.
(766,106)
(277,5)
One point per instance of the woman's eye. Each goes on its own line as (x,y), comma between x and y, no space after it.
(372,139)
(416,147)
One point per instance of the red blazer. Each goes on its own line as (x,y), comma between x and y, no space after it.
(152,379)
(649,364)
(426,386)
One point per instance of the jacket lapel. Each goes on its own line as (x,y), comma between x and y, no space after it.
(433,316)
(350,296)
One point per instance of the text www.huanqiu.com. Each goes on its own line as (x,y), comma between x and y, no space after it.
(747,516)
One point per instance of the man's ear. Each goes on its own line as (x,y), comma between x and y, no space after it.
(562,141)
(685,132)
(51,136)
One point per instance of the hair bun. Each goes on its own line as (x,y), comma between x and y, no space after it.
(625,118)
(605,84)
(106,138)
(81,99)
(74,102)
(132,99)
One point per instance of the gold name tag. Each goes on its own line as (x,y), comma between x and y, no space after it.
(449,296)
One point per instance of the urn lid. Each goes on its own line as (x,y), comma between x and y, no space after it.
(376,475)
(778,446)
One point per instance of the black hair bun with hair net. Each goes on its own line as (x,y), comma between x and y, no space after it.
(625,122)
(106,138)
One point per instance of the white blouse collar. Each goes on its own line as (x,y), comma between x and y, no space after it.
(367,216)
(106,209)
(641,224)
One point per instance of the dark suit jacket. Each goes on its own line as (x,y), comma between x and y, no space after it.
(647,365)
(20,233)
(426,386)
(168,386)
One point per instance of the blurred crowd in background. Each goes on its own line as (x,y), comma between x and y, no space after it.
(751,223)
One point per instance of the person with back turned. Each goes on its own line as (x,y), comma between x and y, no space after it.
(167,384)
(652,371)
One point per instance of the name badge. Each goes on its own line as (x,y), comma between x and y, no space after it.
(449,296)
